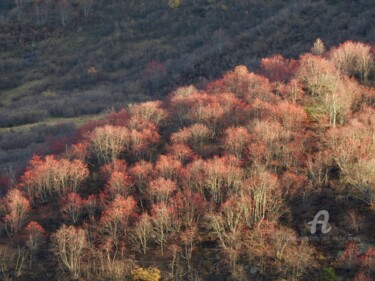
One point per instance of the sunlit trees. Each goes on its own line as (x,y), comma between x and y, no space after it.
(318,48)
(141,172)
(108,142)
(168,167)
(270,244)
(118,179)
(142,233)
(266,202)
(224,171)
(319,76)
(236,140)
(151,111)
(278,68)
(245,85)
(222,177)
(47,178)
(164,221)
(69,244)
(323,81)
(161,189)
(227,226)
(142,141)
(354,59)
(362,177)
(118,215)
(72,207)
(195,135)
(17,211)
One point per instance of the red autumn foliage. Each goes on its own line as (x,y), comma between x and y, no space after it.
(168,167)
(72,207)
(161,189)
(17,209)
(180,152)
(235,140)
(115,166)
(118,215)
(47,178)
(117,118)
(278,68)
(151,111)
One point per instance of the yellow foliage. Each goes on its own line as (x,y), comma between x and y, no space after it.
(146,274)
(174,3)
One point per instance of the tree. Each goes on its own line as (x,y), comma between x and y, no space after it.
(367,260)
(119,183)
(277,68)
(180,152)
(318,48)
(164,221)
(266,202)
(64,7)
(350,257)
(354,59)
(108,142)
(141,173)
(143,141)
(362,177)
(47,178)
(118,215)
(195,135)
(17,211)
(291,116)
(190,207)
(11,262)
(223,176)
(86,7)
(271,245)
(167,167)
(161,189)
(69,244)
(142,232)
(245,85)
(318,75)
(151,111)
(35,237)
(235,140)
(72,207)
(323,81)
(227,226)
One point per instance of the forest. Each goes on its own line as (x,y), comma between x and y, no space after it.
(220,182)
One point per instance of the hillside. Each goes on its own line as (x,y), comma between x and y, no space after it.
(224,182)
(68,59)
